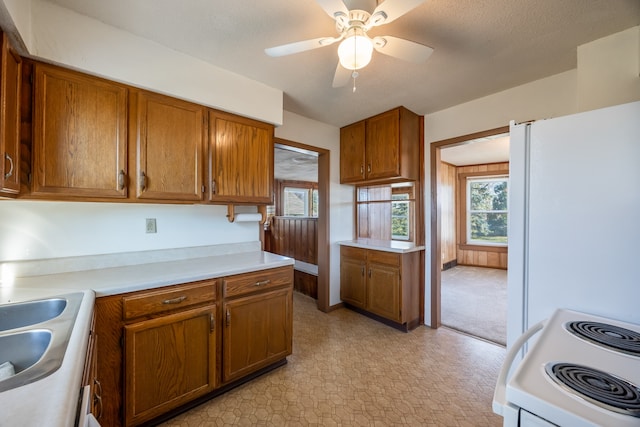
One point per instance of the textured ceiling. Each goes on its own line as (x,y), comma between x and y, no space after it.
(481,46)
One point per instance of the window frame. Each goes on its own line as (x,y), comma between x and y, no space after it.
(470,181)
(462,201)
(310,187)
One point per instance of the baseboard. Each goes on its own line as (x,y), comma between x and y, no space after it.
(450,264)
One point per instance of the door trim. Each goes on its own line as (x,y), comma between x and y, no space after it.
(323,219)
(434,167)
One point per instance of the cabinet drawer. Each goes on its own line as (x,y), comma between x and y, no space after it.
(168,298)
(352,252)
(260,280)
(380,257)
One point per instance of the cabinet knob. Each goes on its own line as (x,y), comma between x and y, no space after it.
(143,181)
(369,168)
(228,317)
(213,186)
(362,170)
(8,174)
(121,177)
(212,322)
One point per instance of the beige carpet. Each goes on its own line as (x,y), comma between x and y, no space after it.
(474,301)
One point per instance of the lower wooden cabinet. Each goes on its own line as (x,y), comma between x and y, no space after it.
(163,348)
(169,361)
(258,316)
(384,284)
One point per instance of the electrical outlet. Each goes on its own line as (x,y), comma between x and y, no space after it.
(151,225)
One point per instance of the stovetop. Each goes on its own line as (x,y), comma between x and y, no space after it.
(583,370)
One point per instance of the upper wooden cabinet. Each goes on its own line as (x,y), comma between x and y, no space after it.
(352,153)
(10,77)
(80,136)
(240,159)
(98,140)
(382,148)
(169,139)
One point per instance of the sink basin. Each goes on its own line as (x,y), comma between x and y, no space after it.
(22,314)
(34,336)
(24,349)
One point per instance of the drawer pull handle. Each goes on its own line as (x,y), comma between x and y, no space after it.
(97,398)
(174,300)
(262,283)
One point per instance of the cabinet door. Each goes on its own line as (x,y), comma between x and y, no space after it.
(352,281)
(170,141)
(169,361)
(352,153)
(80,146)
(383,291)
(10,119)
(240,159)
(258,331)
(383,145)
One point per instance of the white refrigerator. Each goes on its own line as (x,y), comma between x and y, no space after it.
(574,217)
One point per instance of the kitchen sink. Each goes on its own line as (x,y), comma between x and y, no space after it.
(28,313)
(34,337)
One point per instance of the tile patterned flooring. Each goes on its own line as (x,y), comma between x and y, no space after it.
(349,370)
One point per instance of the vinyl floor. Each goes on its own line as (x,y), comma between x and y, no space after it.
(349,370)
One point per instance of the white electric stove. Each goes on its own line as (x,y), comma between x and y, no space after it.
(583,370)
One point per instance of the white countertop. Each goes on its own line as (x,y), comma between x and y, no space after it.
(52,400)
(383,245)
(118,280)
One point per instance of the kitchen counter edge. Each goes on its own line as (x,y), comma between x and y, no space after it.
(383,245)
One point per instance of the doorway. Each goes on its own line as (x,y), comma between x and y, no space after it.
(469,177)
(321,201)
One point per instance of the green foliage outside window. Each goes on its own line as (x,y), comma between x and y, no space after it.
(487,215)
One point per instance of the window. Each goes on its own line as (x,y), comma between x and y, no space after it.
(300,201)
(400,216)
(487,213)
(386,212)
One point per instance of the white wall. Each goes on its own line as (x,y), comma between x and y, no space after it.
(31,230)
(607,74)
(58,35)
(341,219)
(609,70)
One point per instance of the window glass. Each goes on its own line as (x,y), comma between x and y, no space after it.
(487,213)
(300,201)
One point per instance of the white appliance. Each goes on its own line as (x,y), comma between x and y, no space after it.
(583,370)
(574,239)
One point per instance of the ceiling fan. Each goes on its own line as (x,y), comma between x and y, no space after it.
(356,46)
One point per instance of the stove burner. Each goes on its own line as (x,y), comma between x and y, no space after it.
(600,388)
(614,337)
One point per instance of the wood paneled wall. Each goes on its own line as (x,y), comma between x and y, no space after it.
(481,256)
(447,200)
(295,237)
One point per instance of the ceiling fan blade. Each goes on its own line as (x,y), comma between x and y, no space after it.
(390,10)
(402,49)
(334,8)
(291,48)
(342,76)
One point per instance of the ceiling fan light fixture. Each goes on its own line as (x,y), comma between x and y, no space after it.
(355,51)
